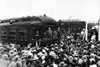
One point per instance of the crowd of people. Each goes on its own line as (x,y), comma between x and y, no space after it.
(67,52)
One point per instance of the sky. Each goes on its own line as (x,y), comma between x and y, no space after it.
(87,10)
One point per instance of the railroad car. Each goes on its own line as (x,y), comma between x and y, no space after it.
(27,29)
(40,29)
(72,25)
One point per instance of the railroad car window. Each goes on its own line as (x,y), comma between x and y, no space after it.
(12,34)
(3,33)
(23,35)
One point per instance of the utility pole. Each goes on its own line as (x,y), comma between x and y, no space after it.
(86,31)
(99,30)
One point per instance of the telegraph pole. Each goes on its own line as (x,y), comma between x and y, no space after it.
(86,31)
(99,30)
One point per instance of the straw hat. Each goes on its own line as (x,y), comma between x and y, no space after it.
(5,56)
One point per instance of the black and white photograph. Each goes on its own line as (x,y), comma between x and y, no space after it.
(49,33)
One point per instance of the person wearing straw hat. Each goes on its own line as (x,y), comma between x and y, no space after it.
(4,61)
(13,62)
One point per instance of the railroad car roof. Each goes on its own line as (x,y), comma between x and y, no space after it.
(28,20)
(42,18)
(46,19)
(71,20)
(5,24)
